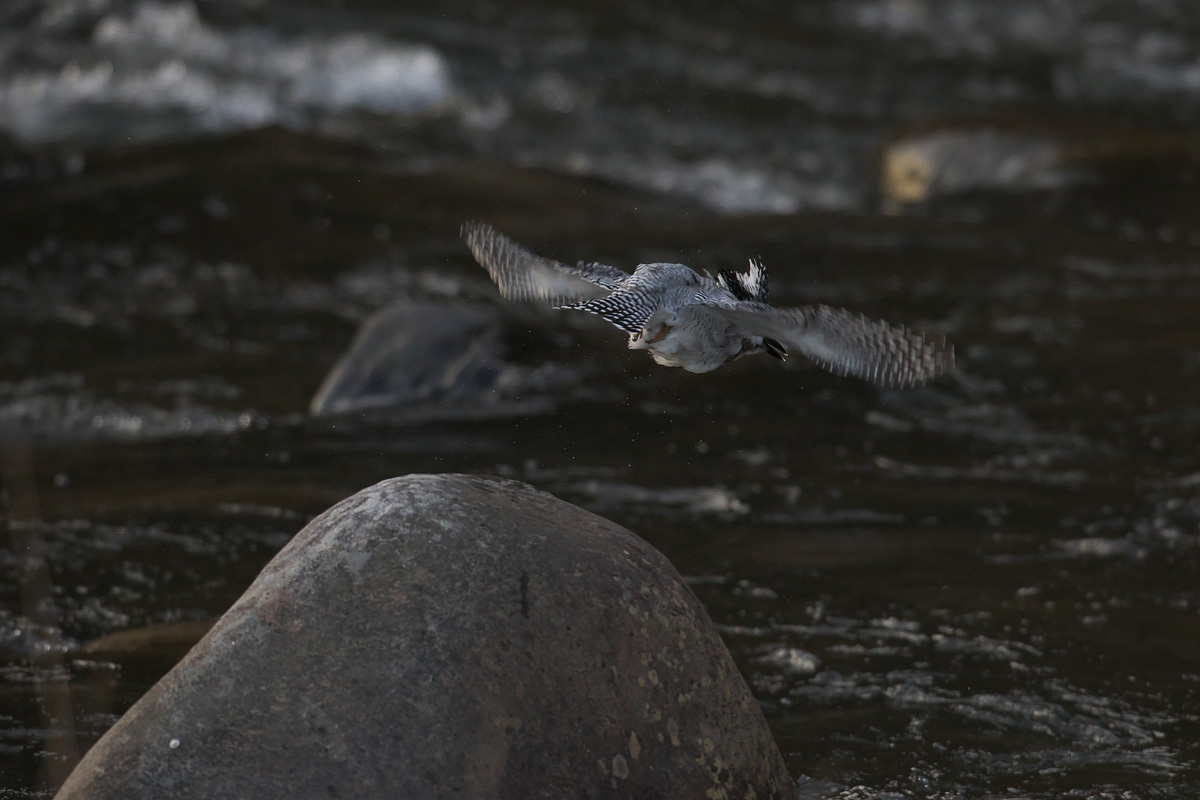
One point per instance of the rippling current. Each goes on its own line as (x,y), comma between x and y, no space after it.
(983,588)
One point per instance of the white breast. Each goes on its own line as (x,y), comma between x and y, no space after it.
(700,341)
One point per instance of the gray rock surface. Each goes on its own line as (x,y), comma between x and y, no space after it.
(450,636)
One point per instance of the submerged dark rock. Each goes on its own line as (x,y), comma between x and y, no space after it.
(411,352)
(450,636)
(153,645)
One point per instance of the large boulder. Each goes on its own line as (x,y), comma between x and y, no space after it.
(450,636)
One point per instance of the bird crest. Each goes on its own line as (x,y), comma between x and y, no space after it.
(750,285)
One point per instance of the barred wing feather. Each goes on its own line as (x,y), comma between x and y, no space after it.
(522,275)
(846,343)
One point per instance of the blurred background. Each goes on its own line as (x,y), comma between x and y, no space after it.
(232,293)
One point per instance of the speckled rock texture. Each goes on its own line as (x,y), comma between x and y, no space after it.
(440,636)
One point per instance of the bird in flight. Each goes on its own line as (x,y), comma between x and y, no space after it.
(685,319)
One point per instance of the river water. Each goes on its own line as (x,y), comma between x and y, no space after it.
(983,588)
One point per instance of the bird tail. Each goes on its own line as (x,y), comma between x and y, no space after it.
(775,349)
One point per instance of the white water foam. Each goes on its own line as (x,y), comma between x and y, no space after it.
(162,71)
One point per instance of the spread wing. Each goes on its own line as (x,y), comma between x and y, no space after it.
(651,288)
(521,275)
(846,343)
(628,310)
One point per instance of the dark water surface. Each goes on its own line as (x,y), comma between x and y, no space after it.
(989,587)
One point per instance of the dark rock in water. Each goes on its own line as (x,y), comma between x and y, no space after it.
(412,352)
(450,636)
